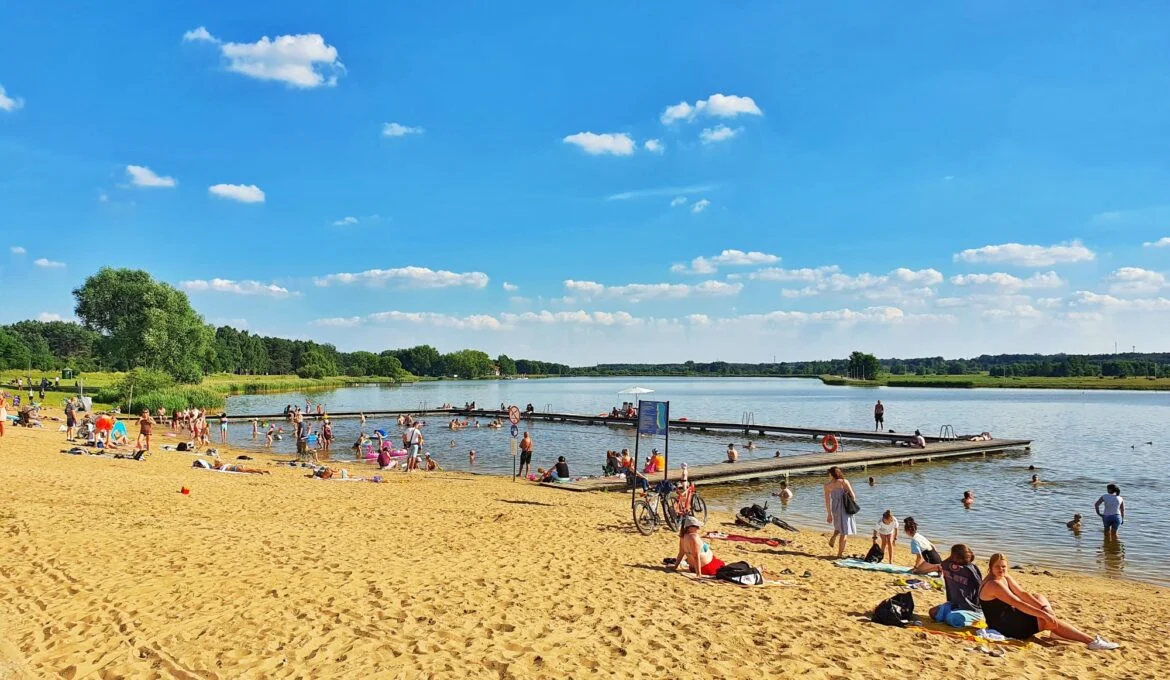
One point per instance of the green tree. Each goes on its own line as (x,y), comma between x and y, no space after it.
(864,366)
(13,352)
(467,363)
(389,366)
(145,322)
(507,366)
(421,360)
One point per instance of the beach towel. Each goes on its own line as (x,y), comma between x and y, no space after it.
(969,633)
(852,563)
(958,618)
(760,540)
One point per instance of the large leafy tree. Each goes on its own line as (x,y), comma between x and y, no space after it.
(145,322)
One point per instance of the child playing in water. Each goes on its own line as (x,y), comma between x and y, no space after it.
(1075,523)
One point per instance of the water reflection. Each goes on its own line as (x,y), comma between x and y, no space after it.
(1112,555)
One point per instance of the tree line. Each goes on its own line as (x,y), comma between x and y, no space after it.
(128,320)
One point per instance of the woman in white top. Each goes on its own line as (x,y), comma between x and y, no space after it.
(887,531)
(926,558)
(1113,514)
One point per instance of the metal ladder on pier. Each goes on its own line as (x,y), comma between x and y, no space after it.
(947,433)
(747,420)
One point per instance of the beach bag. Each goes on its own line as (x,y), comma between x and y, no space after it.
(741,573)
(895,611)
(851,506)
(875,554)
(182,447)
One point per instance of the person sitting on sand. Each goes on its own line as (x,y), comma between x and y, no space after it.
(626,462)
(968,499)
(732,454)
(656,463)
(694,554)
(886,534)
(1075,523)
(1018,614)
(430,464)
(962,579)
(926,558)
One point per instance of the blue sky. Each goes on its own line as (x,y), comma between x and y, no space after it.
(521,178)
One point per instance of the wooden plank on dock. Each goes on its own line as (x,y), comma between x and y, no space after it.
(810,463)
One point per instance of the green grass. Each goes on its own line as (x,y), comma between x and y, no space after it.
(983,380)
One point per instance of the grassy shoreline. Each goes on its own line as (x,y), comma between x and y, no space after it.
(980,381)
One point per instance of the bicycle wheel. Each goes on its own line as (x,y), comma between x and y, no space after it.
(670,513)
(645,519)
(699,508)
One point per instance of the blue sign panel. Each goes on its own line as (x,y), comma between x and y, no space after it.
(653,417)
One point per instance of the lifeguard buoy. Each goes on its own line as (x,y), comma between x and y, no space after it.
(829,443)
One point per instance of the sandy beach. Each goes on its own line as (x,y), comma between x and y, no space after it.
(110,572)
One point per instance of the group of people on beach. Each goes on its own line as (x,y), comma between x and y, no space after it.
(1007,608)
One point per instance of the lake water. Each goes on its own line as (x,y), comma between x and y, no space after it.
(1081,442)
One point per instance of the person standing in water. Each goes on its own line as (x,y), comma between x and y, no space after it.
(1114,510)
(879,416)
(525,454)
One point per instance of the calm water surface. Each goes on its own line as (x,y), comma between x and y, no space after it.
(1082,441)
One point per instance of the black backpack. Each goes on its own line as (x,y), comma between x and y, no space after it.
(895,611)
(875,553)
(756,512)
(740,572)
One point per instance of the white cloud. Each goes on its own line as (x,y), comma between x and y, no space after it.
(717,105)
(197,34)
(400,130)
(49,316)
(236,287)
(411,277)
(729,257)
(804,275)
(641,292)
(1163,242)
(1136,281)
(661,191)
(617,144)
(244,193)
(303,61)
(339,321)
(510,287)
(698,319)
(1110,303)
(17,250)
(677,201)
(654,146)
(47,263)
(8,103)
(925,277)
(141,176)
(103,197)
(1024,311)
(1028,255)
(1008,281)
(847,316)
(719,133)
(700,205)
(345,221)
(476,322)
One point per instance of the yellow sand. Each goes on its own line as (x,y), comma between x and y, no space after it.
(108,571)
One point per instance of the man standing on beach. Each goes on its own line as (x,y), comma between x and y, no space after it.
(70,417)
(879,416)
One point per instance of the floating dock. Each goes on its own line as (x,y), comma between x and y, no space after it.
(811,463)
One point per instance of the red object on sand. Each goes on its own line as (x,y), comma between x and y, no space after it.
(185,491)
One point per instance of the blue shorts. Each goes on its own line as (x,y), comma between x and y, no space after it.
(1112,521)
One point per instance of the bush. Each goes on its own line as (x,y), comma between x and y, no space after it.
(175,398)
(311,371)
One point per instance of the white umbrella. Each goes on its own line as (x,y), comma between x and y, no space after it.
(636,390)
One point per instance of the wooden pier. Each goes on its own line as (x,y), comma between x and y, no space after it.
(811,463)
(683,424)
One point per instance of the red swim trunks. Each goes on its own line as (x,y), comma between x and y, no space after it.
(711,567)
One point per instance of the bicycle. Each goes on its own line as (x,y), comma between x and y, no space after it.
(669,502)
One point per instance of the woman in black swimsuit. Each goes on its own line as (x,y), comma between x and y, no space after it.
(1018,614)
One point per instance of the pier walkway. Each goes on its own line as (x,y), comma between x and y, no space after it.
(810,463)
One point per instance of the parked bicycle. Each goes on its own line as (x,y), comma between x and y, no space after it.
(668,503)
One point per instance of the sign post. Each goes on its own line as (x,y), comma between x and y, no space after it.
(514,418)
(654,420)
